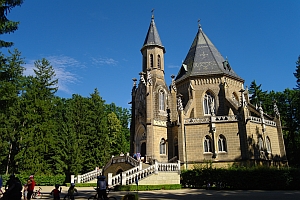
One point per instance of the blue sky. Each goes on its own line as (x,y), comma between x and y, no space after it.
(96,43)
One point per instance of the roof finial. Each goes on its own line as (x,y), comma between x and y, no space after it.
(199,25)
(152,11)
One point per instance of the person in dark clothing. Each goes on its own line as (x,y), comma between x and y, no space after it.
(13,189)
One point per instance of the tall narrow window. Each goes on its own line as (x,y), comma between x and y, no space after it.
(268,144)
(209,104)
(162,146)
(260,144)
(161,100)
(207,144)
(222,144)
(158,61)
(151,60)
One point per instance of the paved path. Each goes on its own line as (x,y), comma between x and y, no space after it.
(187,194)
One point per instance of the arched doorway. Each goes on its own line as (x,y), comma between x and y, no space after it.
(143,149)
(119,171)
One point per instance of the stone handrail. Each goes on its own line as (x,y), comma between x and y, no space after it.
(86,177)
(137,173)
(120,159)
(196,120)
(229,118)
(258,120)
(172,160)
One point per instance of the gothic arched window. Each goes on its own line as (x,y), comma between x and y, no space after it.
(222,143)
(158,62)
(151,60)
(260,144)
(234,98)
(207,144)
(268,144)
(209,104)
(161,100)
(162,146)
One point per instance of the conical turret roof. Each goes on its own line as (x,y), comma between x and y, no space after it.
(203,58)
(152,37)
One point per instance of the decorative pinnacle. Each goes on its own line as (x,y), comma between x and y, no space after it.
(172,76)
(199,25)
(152,11)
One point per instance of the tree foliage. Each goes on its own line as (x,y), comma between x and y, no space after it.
(6,25)
(42,133)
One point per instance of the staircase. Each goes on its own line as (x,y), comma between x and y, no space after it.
(167,173)
(141,173)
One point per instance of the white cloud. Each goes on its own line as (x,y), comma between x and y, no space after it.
(63,65)
(104,61)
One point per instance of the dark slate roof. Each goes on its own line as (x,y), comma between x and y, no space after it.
(203,58)
(152,37)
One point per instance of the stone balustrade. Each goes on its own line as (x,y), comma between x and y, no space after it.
(86,177)
(137,173)
(230,118)
(259,121)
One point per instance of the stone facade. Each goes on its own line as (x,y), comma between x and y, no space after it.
(205,113)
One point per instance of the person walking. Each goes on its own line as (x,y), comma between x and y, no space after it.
(31,185)
(101,187)
(71,191)
(56,192)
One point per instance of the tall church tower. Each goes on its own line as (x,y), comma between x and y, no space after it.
(149,99)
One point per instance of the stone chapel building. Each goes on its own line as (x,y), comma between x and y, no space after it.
(205,113)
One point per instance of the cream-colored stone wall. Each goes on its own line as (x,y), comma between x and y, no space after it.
(195,139)
(159,132)
(254,130)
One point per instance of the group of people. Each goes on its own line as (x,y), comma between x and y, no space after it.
(137,156)
(13,188)
(57,191)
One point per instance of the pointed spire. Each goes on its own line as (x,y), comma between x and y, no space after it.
(152,37)
(203,58)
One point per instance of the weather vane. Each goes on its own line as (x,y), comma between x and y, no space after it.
(199,25)
(152,11)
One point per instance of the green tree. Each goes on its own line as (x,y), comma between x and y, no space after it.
(39,125)
(6,25)
(11,84)
(256,94)
(297,74)
(70,152)
(287,105)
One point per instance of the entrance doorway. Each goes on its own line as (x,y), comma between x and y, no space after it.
(143,149)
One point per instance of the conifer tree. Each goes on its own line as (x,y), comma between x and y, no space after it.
(39,124)
(257,95)
(11,80)
(297,74)
(6,25)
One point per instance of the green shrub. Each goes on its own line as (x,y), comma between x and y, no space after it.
(263,178)
(83,184)
(41,180)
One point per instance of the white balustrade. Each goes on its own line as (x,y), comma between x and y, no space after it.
(137,173)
